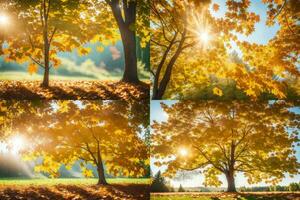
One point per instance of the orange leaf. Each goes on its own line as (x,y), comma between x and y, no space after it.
(215,7)
(32,68)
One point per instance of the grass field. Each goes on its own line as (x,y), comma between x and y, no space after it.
(227,196)
(73,181)
(25,76)
(16,75)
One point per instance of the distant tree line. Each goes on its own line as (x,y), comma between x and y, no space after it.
(292,187)
(159,184)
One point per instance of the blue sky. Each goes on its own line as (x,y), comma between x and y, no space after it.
(262,33)
(196,180)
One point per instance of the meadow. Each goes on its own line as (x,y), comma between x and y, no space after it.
(11,75)
(67,181)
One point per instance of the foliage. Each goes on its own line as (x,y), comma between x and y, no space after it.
(183,59)
(96,132)
(256,139)
(40,30)
(159,183)
(294,187)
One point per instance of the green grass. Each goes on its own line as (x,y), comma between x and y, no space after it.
(15,75)
(25,76)
(71,181)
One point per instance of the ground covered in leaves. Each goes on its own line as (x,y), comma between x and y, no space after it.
(76,192)
(69,89)
(226,196)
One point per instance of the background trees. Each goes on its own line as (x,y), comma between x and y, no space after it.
(191,48)
(256,139)
(159,183)
(42,29)
(103,134)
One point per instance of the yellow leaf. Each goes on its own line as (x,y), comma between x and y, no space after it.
(83,51)
(87,173)
(215,7)
(217,91)
(100,49)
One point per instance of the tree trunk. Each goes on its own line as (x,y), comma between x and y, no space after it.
(128,34)
(101,176)
(157,94)
(129,45)
(160,88)
(46,47)
(159,91)
(100,168)
(46,60)
(230,182)
(46,75)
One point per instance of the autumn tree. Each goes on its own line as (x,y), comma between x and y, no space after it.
(190,47)
(11,110)
(105,134)
(255,139)
(132,19)
(41,29)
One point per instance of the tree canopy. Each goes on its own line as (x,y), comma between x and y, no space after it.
(110,135)
(255,139)
(39,30)
(191,47)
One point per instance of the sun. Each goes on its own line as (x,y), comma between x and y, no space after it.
(183,151)
(4,20)
(204,37)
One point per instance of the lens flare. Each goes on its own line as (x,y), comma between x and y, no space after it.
(204,37)
(17,143)
(4,20)
(183,152)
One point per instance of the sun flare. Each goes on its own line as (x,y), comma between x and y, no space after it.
(4,20)
(183,151)
(204,37)
(17,143)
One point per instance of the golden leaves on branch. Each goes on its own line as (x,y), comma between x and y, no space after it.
(32,68)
